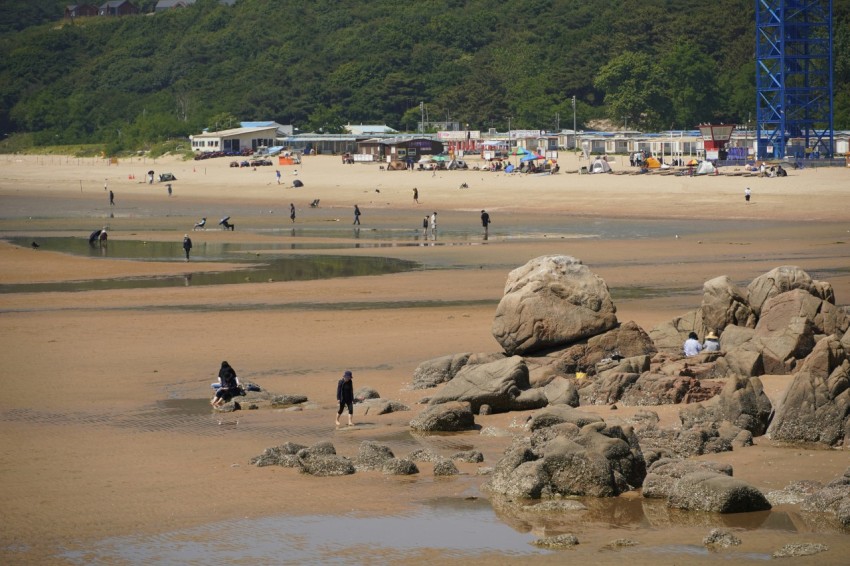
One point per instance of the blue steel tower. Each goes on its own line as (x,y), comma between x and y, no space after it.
(794,97)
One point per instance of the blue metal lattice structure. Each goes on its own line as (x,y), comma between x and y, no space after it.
(794,96)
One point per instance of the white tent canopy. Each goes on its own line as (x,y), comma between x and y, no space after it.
(705,168)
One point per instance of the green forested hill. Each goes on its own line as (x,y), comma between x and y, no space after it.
(320,64)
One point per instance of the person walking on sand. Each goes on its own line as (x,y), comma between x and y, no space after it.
(277,174)
(434,222)
(187,245)
(356,214)
(415,195)
(485,221)
(111,198)
(425,225)
(747,194)
(292,212)
(345,396)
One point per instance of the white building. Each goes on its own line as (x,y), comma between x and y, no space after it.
(235,140)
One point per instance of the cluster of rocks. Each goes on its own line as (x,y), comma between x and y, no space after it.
(257,398)
(563,347)
(322,460)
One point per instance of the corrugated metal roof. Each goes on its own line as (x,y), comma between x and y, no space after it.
(232,132)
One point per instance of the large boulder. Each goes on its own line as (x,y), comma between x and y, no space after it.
(742,402)
(701,486)
(446,417)
(501,385)
(734,337)
(784,335)
(596,460)
(552,301)
(723,303)
(781,280)
(431,373)
(561,391)
(816,406)
(670,336)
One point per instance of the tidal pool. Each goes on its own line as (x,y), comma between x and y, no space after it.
(256,269)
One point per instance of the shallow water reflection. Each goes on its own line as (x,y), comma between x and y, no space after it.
(256,269)
(463,529)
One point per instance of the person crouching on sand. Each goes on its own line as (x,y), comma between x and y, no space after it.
(230,386)
(345,396)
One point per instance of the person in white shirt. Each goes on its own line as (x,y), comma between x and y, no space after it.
(692,346)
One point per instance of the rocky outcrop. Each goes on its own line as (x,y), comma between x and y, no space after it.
(431,373)
(549,302)
(446,417)
(445,467)
(816,406)
(701,486)
(723,303)
(284,455)
(555,415)
(399,467)
(742,402)
(561,391)
(372,456)
(501,385)
(609,385)
(657,442)
(322,460)
(781,280)
(834,498)
(625,341)
(595,460)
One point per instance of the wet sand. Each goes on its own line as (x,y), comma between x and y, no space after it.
(105,428)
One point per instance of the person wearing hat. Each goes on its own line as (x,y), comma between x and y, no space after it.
(187,245)
(712,343)
(345,396)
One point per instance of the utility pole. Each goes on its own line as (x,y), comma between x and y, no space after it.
(421,117)
(575,134)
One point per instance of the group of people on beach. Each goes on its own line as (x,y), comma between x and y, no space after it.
(229,386)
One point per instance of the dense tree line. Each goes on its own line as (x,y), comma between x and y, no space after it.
(651,64)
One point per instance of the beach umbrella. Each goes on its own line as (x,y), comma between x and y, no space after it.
(518,151)
(692,162)
(439,158)
(531,157)
(224,220)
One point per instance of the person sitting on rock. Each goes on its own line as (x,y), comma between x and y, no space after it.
(692,346)
(712,343)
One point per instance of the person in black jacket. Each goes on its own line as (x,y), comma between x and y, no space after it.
(345,396)
(230,386)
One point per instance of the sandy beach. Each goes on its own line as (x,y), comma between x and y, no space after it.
(110,452)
